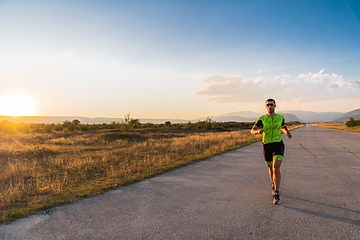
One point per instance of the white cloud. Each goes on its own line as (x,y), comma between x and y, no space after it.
(302,89)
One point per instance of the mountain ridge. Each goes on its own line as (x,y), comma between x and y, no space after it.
(240,116)
(345,117)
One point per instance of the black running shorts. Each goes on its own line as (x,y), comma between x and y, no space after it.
(273,151)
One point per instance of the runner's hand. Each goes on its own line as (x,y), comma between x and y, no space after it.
(289,135)
(261,131)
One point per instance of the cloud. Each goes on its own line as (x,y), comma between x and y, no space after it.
(304,88)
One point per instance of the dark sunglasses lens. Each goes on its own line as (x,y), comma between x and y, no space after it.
(269,104)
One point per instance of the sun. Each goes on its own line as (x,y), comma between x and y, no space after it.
(17,104)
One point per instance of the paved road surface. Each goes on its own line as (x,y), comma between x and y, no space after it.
(225,197)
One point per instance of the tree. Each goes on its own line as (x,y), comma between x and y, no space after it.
(127,118)
(66,123)
(129,123)
(76,122)
(352,122)
(208,123)
(167,124)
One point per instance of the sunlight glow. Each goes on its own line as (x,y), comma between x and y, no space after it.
(17,104)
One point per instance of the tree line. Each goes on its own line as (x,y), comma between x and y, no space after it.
(128,124)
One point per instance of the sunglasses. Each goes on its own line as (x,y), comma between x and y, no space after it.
(270,104)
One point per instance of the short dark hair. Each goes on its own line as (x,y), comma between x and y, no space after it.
(270,100)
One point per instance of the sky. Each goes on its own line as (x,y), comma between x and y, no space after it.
(178,58)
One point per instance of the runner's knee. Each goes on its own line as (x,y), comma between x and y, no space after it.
(278,157)
(269,163)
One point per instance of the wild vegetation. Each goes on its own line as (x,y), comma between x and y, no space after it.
(46,165)
(352,122)
(353,125)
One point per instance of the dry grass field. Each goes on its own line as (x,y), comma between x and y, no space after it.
(339,126)
(40,170)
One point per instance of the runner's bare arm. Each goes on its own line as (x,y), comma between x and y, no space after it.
(286,131)
(256,130)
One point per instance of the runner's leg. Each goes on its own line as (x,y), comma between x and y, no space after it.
(271,172)
(276,174)
(268,155)
(278,158)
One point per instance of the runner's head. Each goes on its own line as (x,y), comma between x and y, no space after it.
(270,105)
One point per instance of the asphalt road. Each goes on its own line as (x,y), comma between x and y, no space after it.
(225,197)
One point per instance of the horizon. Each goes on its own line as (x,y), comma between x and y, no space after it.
(177,59)
(148,118)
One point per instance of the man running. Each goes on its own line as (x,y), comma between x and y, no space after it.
(270,126)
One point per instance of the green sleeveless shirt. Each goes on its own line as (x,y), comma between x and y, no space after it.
(272,127)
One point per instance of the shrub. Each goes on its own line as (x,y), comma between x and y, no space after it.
(352,122)
(7,127)
(76,122)
(66,123)
(123,127)
(84,127)
(58,127)
(72,127)
(208,123)
(167,124)
(37,128)
(49,128)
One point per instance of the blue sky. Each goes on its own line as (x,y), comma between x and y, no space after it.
(180,59)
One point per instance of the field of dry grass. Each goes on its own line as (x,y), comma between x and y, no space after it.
(42,170)
(339,126)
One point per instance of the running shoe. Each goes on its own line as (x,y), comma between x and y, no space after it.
(276,199)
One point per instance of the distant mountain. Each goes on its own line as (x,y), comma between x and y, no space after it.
(244,114)
(234,119)
(241,116)
(250,117)
(301,116)
(290,117)
(308,116)
(345,117)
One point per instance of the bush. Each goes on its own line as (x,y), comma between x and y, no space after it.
(72,127)
(208,124)
(76,122)
(123,127)
(66,123)
(84,127)
(37,128)
(58,127)
(167,124)
(22,127)
(352,122)
(292,123)
(7,127)
(49,128)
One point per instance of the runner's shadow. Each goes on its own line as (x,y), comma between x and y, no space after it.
(323,215)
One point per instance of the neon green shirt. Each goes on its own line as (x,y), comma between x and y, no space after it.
(272,127)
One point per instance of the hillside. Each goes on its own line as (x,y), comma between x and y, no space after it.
(296,115)
(309,116)
(251,118)
(345,117)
